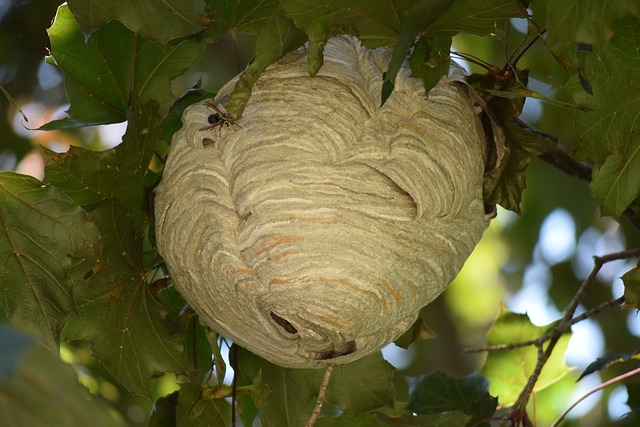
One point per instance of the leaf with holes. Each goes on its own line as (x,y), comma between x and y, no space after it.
(159,21)
(102,72)
(127,326)
(508,371)
(91,177)
(609,134)
(47,242)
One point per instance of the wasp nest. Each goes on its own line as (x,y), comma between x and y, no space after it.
(315,228)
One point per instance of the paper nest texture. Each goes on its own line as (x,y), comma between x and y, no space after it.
(314,229)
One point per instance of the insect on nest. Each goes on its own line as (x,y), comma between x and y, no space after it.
(219,118)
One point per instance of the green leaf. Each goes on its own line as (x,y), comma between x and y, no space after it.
(417,332)
(249,16)
(103,72)
(346,420)
(198,350)
(631,280)
(376,22)
(362,385)
(414,21)
(195,410)
(126,324)
(616,183)
(508,371)
(91,177)
(438,393)
(157,20)
(47,243)
(278,37)
(604,362)
(43,391)
(430,59)
(478,17)
(14,103)
(609,134)
(293,391)
(163,413)
(585,21)
(633,401)
(450,419)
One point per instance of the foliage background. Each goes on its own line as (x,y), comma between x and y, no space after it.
(511,266)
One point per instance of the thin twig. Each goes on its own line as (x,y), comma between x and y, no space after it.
(559,329)
(320,400)
(598,388)
(599,261)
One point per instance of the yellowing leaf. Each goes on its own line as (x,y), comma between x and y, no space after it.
(509,370)
(631,280)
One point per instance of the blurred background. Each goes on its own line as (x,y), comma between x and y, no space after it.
(531,263)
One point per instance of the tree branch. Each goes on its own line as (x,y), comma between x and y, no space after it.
(552,337)
(562,160)
(320,400)
(567,318)
(559,329)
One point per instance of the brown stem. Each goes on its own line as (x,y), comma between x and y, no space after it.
(567,318)
(561,159)
(559,329)
(320,400)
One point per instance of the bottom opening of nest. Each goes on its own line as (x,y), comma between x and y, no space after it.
(339,349)
(336,350)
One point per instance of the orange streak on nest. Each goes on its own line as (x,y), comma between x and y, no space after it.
(305,218)
(414,292)
(281,254)
(391,290)
(278,241)
(334,320)
(242,270)
(435,250)
(404,245)
(279,281)
(342,282)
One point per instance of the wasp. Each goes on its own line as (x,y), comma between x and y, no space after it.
(219,118)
